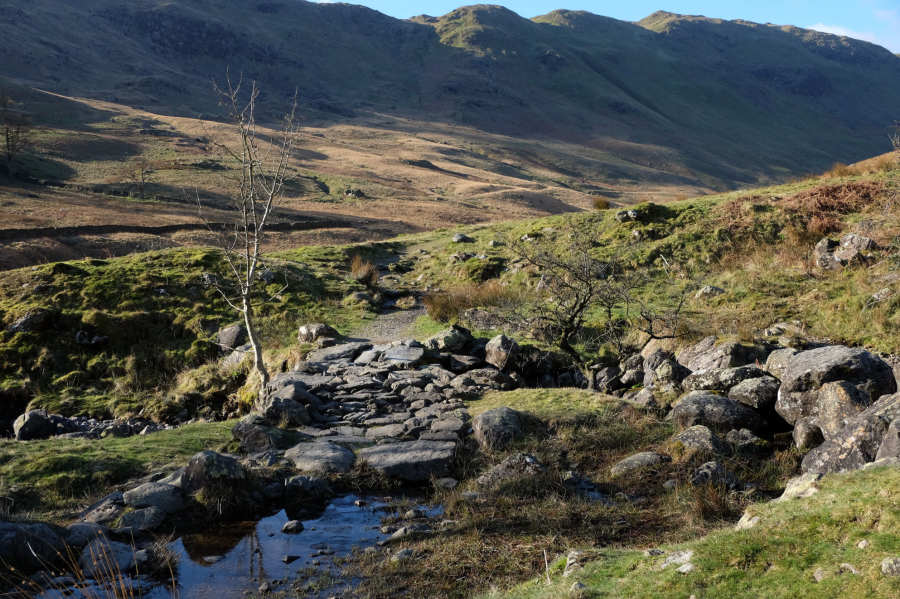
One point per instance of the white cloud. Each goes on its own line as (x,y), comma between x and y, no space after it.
(890,41)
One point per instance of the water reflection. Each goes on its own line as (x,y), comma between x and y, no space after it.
(223,561)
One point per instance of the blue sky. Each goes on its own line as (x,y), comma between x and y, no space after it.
(876,21)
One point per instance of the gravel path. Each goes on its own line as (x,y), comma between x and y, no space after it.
(389,326)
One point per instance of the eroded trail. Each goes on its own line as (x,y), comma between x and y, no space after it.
(391,325)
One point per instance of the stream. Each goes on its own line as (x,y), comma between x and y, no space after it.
(224,561)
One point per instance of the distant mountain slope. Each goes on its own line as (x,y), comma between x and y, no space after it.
(720,103)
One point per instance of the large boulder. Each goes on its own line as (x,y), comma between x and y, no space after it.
(106,560)
(502,352)
(720,379)
(890,444)
(700,438)
(714,411)
(850,449)
(638,461)
(515,466)
(310,333)
(29,547)
(839,403)
(410,460)
(706,354)
(254,434)
(807,434)
(34,425)
(449,340)
(82,533)
(307,487)
(209,470)
(167,498)
(34,320)
(809,370)
(497,428)
(758,393)
(321,457)
(231,338)
(106,510)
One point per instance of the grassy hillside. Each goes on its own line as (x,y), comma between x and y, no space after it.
(756,245)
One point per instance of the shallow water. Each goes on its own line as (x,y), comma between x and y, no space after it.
(246,554)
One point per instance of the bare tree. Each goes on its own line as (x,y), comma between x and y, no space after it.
(257,172)
(895,136)
(575,286)
(140,172)
(16,129)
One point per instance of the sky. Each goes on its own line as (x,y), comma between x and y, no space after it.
(876,21)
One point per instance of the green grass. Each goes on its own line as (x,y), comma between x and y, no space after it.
(56,478)
(776,559)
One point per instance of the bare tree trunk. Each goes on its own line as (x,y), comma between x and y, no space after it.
(9,168)
(257,346)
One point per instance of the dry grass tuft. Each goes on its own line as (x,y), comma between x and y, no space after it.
(838,170)
(449,304)
(364,271)
(819,209)
(601,203)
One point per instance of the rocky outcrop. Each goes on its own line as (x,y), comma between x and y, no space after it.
(34,425)
(720,379)
(29,547)
(700,438)
(255,433)
(714,473)
(33,321)
(310,333)
(167,498)
(758,393)
(839,403)
(706,355)
(809,370)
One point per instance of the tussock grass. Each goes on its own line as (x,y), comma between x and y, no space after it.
(449,304)
(364,271)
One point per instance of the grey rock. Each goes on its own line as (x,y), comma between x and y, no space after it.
(106,510)
(646,459)
(231,338)
(34,425)
(714,411)
(720,379)
(626,216)
(307,487)
(630,378)
(890,566)
(255,434)
(677,558)
(34,320)
(778,361)
(321,457)
(708,292)
(165,497)
(700,438)
(29,547)
(451,425)
(745,441)
(282,409)
(646,399)
(389,431)
(714,473)
(890,444)
(142,520)
(404,356)
(410,460)
(345,352)
(607,379)
(758,393)
(839,403)
(103,559)
(410,530)
(801,487)
(461,364)
(82,533)
(310,333)
(852,241)
(292,527)
(450,340)
(706,354)
(402,555)
(809,370)
(850,449)
(502,352)
(460,238)
(497,428)
(515,466)
(209,470)
(807,434)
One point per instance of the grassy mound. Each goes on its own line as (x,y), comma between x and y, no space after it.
(777,558)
